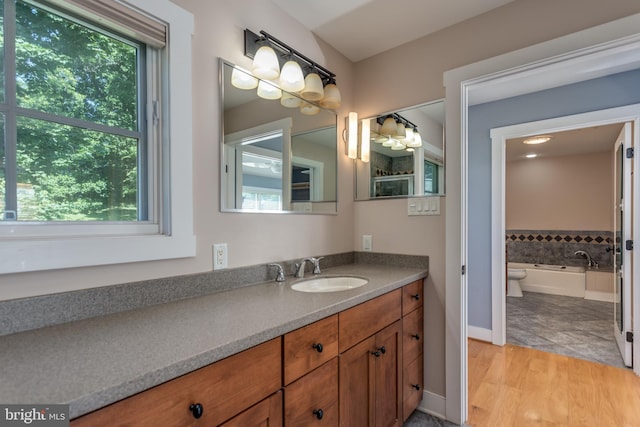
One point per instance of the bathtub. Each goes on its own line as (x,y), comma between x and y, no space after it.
(553,279)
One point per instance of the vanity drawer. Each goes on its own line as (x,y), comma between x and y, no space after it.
(413,336)
(412,387)
(364,320)
(223,389)
(309,347)
(412,296)
(313,398)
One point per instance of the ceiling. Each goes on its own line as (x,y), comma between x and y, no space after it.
(362,28)
(573,142)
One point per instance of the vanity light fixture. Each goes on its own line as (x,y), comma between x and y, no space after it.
(365,140)
(268,90)
(243,79)
(537,140)
(319,85)
(352,135)
(398,133)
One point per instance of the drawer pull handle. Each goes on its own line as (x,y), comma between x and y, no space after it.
(319,413)
(379,352)
(416,386)
(318,347)
(416,336)
(197,410)
(416,297)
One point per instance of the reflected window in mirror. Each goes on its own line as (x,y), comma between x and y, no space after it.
(277,155)
(407,154)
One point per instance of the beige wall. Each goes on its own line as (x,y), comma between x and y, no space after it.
(560,193)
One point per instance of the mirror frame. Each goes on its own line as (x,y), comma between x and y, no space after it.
(362,169)
(330,205)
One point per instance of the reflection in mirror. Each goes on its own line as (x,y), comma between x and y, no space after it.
(407,154)
(278,155)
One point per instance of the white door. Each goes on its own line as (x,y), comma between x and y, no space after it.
(622,243)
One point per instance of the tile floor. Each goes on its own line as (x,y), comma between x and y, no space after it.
(563,325)
(420,419)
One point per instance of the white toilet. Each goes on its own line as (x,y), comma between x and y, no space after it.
(514,275)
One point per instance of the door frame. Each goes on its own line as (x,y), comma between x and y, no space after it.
(499,137)
(526,70)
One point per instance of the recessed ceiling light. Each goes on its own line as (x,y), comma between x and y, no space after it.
(531,156)
(537,140)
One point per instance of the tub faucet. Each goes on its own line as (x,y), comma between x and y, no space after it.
(590,261)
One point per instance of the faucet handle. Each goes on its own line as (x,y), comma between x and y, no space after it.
(316,264)
(280,276)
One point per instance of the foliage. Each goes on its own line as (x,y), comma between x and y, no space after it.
(69,172)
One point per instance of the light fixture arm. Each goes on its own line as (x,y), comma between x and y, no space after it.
(252,43)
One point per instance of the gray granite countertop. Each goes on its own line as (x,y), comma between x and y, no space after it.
(93,362)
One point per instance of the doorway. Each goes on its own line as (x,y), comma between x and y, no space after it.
(559,217)
(499,137)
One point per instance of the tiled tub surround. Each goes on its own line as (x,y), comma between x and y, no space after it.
(557,247)
(96,361)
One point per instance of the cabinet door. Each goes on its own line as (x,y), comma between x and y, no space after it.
(412,386)
(413,336)
(313,399)
(388,376)
(267,413)
(357,388)
(412,296)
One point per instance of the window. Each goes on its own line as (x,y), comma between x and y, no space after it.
(431,177)
(86,132)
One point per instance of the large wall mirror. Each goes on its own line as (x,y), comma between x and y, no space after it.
(401,168)
(275,158)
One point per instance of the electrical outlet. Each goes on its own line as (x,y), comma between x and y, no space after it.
(366,243)
(219,256)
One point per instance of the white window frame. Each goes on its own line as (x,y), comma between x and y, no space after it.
(43,246)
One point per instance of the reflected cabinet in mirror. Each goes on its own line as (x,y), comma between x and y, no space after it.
(278,155)
(407,154)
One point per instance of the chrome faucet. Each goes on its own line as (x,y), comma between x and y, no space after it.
(316,264)
(280,276)
(590,261)
(300,267)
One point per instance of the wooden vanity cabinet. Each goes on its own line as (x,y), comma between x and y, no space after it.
(371,369)
(412,347)
(205,397)
(267,413)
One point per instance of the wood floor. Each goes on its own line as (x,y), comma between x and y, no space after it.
(517,386)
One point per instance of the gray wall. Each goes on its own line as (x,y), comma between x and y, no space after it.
(606,92)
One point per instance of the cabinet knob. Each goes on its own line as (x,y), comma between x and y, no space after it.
(196,409)
(318,347)
(379,351)
(319,413)
(416,336)
(416,386)
(416,297)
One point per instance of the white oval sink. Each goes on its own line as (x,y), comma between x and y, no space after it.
(329,284)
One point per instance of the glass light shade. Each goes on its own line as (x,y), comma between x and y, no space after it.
(389,142)
(291,77)
(389,126)
(332,98)
(380,139)
(397,145)
(265,64)
(268,90)
(243,80)
(352,136)
(313,90)
(309,109)
(417,140)
(290,101)
(401,132)
(365,140)
(409,137)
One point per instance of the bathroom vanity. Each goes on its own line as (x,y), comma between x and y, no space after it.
(257,353)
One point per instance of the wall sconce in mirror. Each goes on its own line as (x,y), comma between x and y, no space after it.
(280,70)
(351,134)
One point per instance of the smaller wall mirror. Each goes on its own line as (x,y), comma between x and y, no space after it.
(275,158)
(404,166)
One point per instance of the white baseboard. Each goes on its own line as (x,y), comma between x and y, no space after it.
(481,334)
(599,296)
(433,404)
